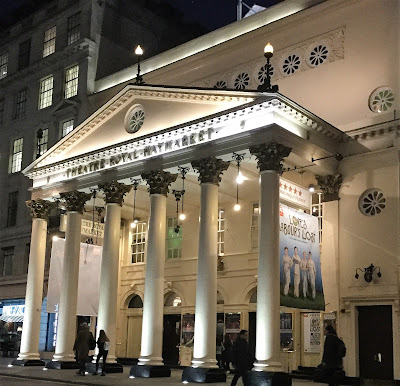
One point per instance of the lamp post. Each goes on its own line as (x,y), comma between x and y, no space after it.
(266,86)
(39,136)
(138,53)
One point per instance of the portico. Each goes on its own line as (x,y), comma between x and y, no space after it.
(146,132)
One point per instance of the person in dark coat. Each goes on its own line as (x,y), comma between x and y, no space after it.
(334,350)
(227,353)
(82,345)
(103,344)
(241,357)
(331,369)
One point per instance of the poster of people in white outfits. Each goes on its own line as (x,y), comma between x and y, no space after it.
(300,265)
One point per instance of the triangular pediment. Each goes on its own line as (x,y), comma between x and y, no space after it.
(162,108)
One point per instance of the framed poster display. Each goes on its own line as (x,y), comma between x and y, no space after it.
(312,332)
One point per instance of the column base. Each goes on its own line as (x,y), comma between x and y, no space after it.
(203,375)
(264,378)
(28,362)
(60,365)
(110,367)
(147,371)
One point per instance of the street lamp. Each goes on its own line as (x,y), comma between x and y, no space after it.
(266,86)
(138,53)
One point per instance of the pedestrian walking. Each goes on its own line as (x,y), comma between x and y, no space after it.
(103,343)
(241,357)
(83,343)
(227,353)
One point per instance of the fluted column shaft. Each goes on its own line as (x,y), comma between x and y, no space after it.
(66,329)
(114,193)
(34,287)
(269,157)
(153,306)
(109,277)
(204,351)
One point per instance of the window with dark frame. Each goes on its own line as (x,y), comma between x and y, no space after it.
(20,107)
(6,262)
(42,138)
(73,28)
(16,157)
(24,54)
(49,41)
(12,209)
(3,65)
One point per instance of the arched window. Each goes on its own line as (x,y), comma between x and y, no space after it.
(220,299)
(172,300)
(135,302)
(253,297)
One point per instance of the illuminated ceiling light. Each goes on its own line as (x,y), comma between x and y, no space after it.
(182,216)
(311,188)
(239,178)
(55,238)
(139,51)
(135,183)
(179,196)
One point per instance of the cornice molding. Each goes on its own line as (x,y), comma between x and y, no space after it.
(375,131)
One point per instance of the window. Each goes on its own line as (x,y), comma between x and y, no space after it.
(46,92)
(221,231)
(42,137)
(73,28)
(138,242)
(20,108)
(254,227)
(174,239)
(71,81)
(6,263)
(3,65)
(49,41)
(67,127)
(24,54)
(16,158)
(12,209)
(1,110)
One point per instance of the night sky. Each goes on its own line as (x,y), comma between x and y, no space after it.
(211,14)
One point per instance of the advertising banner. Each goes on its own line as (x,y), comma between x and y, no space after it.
(300,265)
(312,332)
(89,278)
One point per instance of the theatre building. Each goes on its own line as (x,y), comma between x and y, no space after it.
(203,187)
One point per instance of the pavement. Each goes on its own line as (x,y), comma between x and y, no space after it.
(32,376)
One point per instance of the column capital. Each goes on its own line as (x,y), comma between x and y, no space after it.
(159,181)
(114,192)
(40,208)
(270,155)
(210,169)
(75,200)
(330,186)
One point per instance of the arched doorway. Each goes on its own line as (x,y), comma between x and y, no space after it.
(134,333)
(172,328)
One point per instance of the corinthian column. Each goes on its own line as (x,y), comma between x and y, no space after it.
(269,157)
(204,364)
(114,193)
(150,361)
(64,356)
(29,354)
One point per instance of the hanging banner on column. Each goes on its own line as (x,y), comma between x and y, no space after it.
(300,264)
(312,332)
(89,278)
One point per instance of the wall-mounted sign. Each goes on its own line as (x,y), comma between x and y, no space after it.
(312,332)
(290,192)
(87,227)
(14,310)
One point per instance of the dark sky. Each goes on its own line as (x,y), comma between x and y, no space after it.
(212,14)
